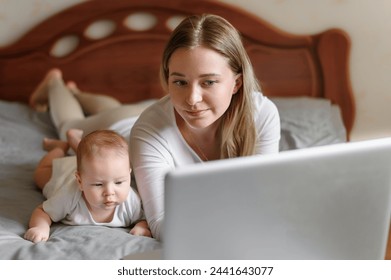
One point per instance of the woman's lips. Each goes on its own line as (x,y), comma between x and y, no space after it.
(196,113)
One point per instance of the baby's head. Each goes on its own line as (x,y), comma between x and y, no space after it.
(97,143)
(103,169)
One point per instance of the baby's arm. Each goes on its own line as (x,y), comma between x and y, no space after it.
(39,226)
(141,228)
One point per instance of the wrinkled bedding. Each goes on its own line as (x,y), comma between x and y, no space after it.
(21,134)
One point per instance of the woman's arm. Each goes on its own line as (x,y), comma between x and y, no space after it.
(149,167)
(151,157)
(267,123)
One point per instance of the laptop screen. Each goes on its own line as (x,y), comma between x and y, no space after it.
(330,202)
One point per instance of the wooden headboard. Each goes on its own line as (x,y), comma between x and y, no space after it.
(125,62)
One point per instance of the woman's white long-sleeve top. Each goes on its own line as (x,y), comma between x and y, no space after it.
(157,146)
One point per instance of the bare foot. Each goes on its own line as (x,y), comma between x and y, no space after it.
(49,144)
(39,97)
(74,136)
(71,85)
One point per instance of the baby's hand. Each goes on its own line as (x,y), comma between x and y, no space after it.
(141,229)
(37,234)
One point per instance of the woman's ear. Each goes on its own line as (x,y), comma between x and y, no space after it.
(78,179)
(238,83)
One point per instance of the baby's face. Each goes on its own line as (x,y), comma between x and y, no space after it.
(105,180)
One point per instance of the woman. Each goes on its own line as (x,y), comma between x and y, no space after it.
(213,110)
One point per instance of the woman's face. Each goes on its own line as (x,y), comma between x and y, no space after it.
(201,85)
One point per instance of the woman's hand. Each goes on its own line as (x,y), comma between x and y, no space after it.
(141,229)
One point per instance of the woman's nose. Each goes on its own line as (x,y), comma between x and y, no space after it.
(194,95)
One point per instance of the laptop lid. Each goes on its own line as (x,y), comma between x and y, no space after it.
(329,202)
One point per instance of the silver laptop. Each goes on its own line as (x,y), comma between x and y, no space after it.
(330,202)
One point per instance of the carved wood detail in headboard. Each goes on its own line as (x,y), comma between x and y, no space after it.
(125,63)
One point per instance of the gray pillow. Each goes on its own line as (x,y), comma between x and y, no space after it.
(308,122)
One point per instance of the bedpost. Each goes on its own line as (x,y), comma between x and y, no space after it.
(334,46)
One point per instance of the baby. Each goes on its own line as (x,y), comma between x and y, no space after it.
(99,191)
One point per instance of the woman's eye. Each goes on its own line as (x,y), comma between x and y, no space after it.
(209,83)
(180,83)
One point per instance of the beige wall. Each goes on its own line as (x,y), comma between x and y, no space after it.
(367,21)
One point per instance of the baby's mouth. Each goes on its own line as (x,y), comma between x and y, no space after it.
(109,203)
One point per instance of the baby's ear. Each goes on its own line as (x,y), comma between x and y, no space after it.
(78,179)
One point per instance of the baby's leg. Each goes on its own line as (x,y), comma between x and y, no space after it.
(43,171)
(93,103)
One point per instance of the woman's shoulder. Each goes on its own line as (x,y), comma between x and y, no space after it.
(265,111)
(162,105)
(158,114)
(263,103)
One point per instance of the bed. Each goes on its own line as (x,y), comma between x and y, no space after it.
(114,47)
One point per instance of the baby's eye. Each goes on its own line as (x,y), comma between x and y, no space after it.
(119,182)
(97,184)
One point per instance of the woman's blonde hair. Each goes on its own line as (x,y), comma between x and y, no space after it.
(237,130)
(96,141)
